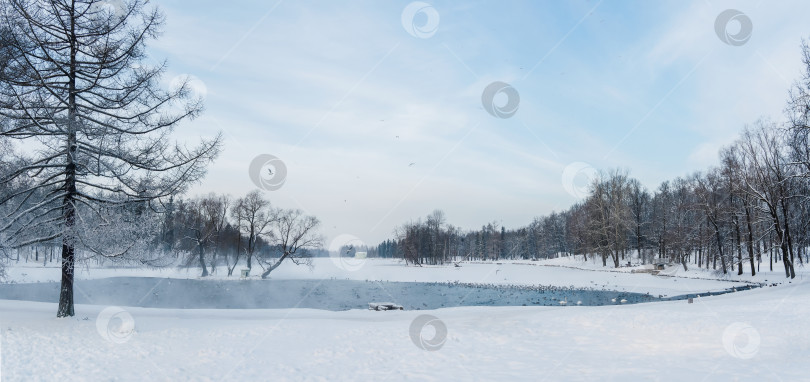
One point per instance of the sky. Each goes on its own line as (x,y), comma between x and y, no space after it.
(377,109)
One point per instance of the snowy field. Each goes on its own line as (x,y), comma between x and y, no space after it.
(750,335)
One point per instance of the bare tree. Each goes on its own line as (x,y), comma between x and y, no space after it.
(78,90)
(711,199)
(738,178)
(292,234)
(253,216)
(410,241)
(639,208)
(216,209)
(435,224)
(677,221)
(609,215)
(770,183)
(201,223)
(798,113)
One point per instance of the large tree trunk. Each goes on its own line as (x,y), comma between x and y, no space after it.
(638,244)
(214,256)
(202,260)
(68,250)
(750,239)
(274,266)
(770,252)
(783,247)
(68,257)
(720,248)
(783,244)
(251,246)
(615,255)
(235,260)
(720,252)
(738,245)
(65,308)
(788,236)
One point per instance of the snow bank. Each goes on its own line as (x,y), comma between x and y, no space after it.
(752,335)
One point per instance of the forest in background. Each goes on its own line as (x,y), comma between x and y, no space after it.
(755,205)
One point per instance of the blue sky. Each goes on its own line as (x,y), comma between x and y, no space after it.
(378,127)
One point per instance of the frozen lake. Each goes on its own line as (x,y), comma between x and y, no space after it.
(327,294)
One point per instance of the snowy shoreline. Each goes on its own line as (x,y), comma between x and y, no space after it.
(666,341)
(564,272)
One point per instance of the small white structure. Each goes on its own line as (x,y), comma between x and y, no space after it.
(360,255)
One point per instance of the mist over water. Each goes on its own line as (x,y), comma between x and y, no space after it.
(317,294)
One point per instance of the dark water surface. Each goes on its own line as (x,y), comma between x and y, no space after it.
(318,294)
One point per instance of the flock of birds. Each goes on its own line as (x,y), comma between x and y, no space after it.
(537,288)
(579,302)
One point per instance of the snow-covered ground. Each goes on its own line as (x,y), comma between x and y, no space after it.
(563,272)
(751,335)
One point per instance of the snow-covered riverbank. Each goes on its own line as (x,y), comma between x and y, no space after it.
(556,272)
(752,335)
(748,335)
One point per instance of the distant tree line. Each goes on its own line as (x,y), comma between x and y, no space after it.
(754,205)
